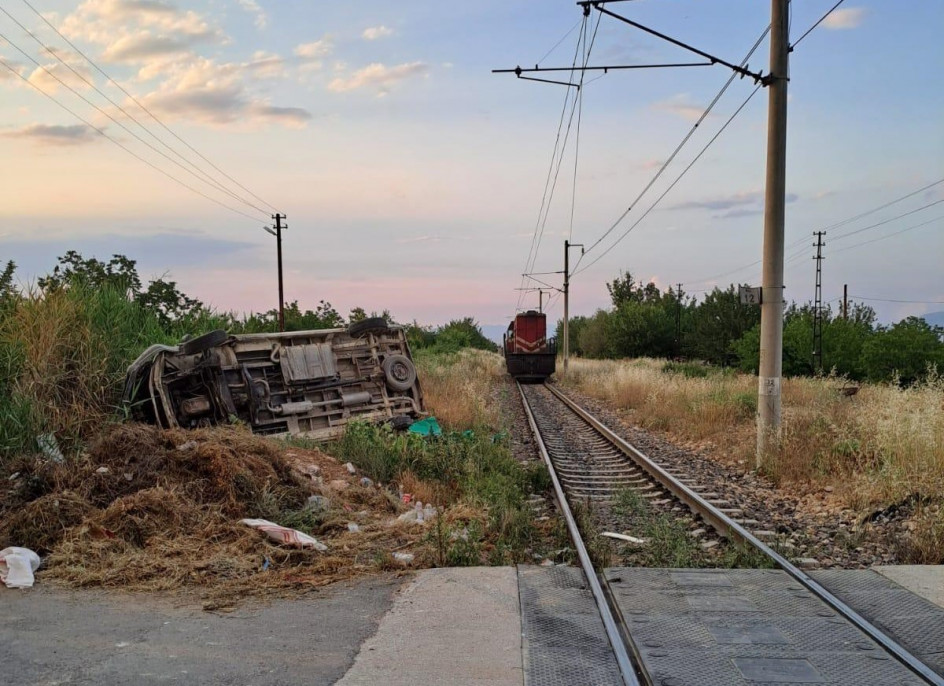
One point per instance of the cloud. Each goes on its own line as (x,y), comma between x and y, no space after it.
(55,135)
(314,50)
(310,55)
(847,18)
(375,32)
(680,105)
(135,31)
(723,202)
(265,65)
(215,94)
(430,238)
(378,75)
(49,76)
(144,45)
(730,206)
(252,7)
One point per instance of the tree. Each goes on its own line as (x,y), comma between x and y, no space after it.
(7,290)
(622,289)
(640,329)
(592,339)
(462,333)
(905,349)
(74,270)
(717,323)
(169,303)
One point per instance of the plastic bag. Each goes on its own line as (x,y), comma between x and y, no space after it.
(17,566)
(283,534)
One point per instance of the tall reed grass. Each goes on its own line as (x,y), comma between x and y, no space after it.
(63,356)
(461,388)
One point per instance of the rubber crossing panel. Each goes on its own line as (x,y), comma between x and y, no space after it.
(744,626)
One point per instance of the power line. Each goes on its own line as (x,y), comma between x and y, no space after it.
(890,300)
(560,159)
(673,184)
(835,225)
(205,178)
(586,58)
(547,182)
(103,111)
(142,106)
(122,146)
(882,238)
(886,221)
(883,206)
(557,44)
(818,22)
(675,152)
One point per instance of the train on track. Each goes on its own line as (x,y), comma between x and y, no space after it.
(530,355)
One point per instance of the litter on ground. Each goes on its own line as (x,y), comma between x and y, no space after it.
(17,566)
(286,536)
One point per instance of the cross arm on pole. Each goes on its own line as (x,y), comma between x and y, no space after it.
(743,71)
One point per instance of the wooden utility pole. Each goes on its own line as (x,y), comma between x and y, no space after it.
(771,318)
(845,301)
(278,247)
(567,246)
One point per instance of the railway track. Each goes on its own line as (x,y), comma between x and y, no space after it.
(589,462)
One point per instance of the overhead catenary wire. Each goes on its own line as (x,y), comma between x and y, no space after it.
(108,115)
(547,182)
(144,108)
(675,182)
(560,159)
(678,149)
(558,43)
(818,22)
(586,58)
(200,174)
(128,150)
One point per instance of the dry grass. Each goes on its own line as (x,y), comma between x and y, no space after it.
(458,387)
(147,509)
(877,447)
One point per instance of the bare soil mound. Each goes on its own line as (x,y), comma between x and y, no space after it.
(146,508)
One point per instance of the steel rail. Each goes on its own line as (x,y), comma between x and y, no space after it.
(606,614)
(728,527)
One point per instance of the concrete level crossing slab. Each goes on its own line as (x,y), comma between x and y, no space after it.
(743,626)
(452,626)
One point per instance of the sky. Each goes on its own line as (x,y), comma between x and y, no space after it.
(412,177)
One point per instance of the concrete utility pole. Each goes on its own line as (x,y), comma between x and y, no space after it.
(278,246)
(567,246)
(771,309)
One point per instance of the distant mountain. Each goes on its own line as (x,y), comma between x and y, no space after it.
(932,318)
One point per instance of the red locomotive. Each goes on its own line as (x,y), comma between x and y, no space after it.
(529,354)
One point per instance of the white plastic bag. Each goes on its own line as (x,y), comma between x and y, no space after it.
(17,566)
(283,534)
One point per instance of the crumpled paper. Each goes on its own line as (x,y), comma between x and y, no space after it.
(17,566)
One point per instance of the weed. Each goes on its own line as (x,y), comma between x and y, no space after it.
(875,447)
